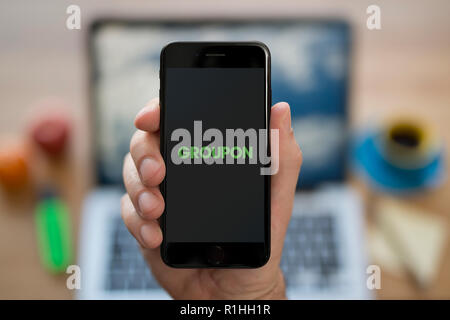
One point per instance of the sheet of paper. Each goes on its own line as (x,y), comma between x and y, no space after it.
(415,237)
(382,253)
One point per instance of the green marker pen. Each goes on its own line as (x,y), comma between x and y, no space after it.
(53,232)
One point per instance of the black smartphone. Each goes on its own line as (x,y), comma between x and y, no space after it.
(215,99)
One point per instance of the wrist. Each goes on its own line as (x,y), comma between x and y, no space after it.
(278,291)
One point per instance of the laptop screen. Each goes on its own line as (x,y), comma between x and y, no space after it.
(310,71)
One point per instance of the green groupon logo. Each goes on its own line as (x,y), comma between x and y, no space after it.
(229,146)
(215,152)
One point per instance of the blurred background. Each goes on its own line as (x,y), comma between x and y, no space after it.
(378,98)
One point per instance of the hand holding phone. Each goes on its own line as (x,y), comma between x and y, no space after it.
(215,99)
(144,170)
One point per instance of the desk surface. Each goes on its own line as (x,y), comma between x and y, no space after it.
(404,68)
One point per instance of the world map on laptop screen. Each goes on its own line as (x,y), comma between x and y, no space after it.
(310,71)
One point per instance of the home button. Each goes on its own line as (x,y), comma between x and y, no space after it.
(215,255)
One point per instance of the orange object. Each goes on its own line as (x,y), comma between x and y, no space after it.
(14,173)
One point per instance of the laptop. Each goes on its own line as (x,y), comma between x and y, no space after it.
(323,255)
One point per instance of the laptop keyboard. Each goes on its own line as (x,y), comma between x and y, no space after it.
(127,268)
(310,256)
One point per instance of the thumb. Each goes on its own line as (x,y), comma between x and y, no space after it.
(284,182)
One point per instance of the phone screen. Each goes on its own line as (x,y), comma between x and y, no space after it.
(214,202)
(214,108)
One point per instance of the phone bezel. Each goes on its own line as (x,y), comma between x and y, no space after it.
(216,55)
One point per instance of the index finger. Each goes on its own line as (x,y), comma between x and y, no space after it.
(148,118)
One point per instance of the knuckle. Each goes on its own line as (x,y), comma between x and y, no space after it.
(122,201)
(136,140)
(125,158)
(125,211)
(125,166)
(299,157)
(298,153)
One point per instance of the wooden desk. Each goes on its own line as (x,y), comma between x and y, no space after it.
(404,68)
